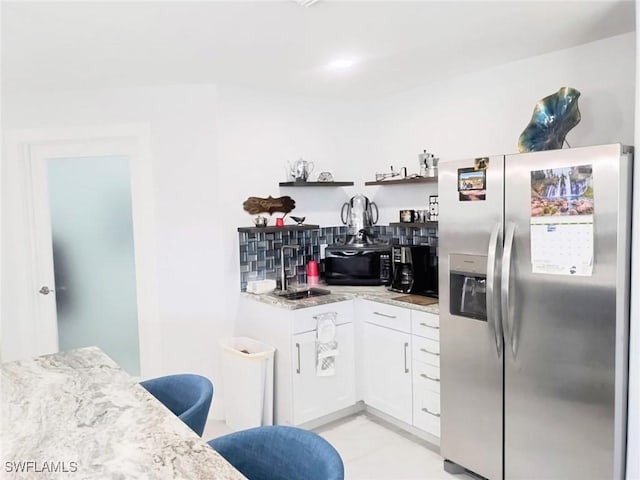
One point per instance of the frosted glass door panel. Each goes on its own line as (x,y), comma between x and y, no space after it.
(93,256)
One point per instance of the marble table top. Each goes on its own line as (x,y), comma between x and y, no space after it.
(76,414)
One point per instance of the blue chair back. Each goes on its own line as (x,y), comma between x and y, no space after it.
(187,395)
(280,453)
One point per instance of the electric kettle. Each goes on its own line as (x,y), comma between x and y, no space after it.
(358,214)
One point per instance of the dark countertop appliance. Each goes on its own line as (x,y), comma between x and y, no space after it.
(360,259)
(358,263)
(414,270)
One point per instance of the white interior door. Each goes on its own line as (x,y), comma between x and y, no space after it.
(84,227)
(29,320)
(85,265)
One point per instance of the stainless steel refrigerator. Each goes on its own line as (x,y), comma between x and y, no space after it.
(534,253)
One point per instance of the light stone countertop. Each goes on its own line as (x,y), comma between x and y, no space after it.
(76,414)
(341,293)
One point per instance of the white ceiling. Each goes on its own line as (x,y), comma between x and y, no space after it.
(282,45)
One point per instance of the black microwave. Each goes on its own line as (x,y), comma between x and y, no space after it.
(357,265)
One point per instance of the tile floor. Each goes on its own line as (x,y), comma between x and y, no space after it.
(374,450)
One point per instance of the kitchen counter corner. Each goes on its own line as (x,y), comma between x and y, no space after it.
(341,293)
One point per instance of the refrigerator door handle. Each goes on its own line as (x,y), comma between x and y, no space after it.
(506,297)
(493,310)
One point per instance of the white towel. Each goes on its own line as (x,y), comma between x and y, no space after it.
(326,344)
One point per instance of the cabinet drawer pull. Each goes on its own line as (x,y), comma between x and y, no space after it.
(298,348)
(422,324)
(406,368)
(384,315)
(429,351)
(424,375)
(320,315)
(430,412)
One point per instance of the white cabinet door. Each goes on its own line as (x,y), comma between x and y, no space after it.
(313,395)
(387,371)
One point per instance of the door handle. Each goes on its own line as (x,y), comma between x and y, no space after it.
(406,347)
(506,297)
(493,312)
(298,348)
(44,290)
(424,375)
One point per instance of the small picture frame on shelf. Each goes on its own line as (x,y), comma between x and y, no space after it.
(407,216)
(434,209)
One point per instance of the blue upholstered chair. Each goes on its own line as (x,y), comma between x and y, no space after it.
(280,453)
(188,396)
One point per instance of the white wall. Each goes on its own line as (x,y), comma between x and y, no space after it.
(484,113)
(185,172)
(202,174)
(260,132)
(212,147)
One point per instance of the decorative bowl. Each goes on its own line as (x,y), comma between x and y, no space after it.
(325,177)
(552,118)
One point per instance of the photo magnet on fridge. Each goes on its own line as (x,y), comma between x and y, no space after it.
(471,184)
(481,163)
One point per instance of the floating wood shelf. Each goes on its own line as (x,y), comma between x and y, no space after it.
(404,181)
(413,224)
(286,228)
(315,184)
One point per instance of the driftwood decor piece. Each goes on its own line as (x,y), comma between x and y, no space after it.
(257,205)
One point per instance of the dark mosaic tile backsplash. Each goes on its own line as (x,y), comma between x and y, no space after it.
(260,252)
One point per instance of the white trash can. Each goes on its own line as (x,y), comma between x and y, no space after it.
(247,376)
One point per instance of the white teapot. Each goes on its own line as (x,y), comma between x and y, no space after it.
(300,170)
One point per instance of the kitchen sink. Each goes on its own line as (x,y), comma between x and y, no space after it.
(302,294)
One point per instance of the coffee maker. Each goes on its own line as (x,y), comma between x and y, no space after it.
(414,269)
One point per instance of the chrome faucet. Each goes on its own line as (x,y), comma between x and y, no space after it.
(284,277)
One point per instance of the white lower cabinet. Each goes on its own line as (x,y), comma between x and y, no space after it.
(396,350)
(315,396)
(300,394)
(387,372)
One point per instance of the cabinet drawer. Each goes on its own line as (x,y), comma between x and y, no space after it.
(389,316)
(426,377)
(423,418)
(426,411)
(304,319)
(426,350)
(425,325)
